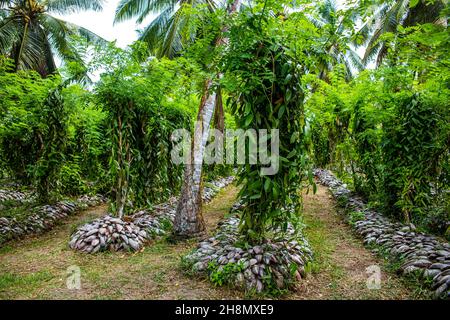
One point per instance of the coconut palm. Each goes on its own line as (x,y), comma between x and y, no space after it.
(389,16)
(164,33)
(30,33)
(336,49)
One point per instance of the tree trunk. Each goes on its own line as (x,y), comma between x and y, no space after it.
(189,218)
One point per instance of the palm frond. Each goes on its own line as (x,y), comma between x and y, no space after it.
(129,9)
(172,44)
(153,33)
(5,3)
(372,24)
(27,50)
(73,6)
(8,34)
(49,66)
(382,53)
(371,53)
(59,33)
(355,60)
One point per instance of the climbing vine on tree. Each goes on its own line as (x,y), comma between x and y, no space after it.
(145,105)
(264,79)
(54,141)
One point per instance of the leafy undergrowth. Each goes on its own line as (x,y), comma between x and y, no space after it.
(36,267)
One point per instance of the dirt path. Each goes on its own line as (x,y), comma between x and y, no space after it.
(36,268)
(339,270)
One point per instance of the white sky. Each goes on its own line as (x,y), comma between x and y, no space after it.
(125,32)
(102,24)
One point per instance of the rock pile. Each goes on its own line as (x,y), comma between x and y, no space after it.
(212,188)
(419,252)
(108,233)
(43,218)
(159,220)
(12,195)
(258,268)
(130,234)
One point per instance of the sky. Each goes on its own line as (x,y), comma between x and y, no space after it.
(125,32)
(102,24)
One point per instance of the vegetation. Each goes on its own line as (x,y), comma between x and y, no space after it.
(144,105)
(273,98)
(31,34)
(388,128)
(360,89)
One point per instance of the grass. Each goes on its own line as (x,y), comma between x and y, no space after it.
(12,283)
(16,209)
(154,273)
(339,267)
(36,267)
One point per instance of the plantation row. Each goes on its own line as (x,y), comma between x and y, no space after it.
(258,65)
(414,253)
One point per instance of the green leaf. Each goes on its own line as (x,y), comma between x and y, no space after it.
(267,184)
(413,3)
(288,95)
(248,120)
(281,111)
(255,196)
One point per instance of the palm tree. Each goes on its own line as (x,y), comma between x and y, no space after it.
(164,33)
(389,16)
(30,34)
(337,38)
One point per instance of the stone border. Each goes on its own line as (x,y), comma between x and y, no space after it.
(44,218)
(271,267)
(420,253)
(131,233)
(12,195)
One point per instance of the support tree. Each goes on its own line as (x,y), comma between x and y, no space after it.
(189,219)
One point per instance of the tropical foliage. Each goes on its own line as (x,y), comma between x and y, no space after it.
(173,28)
(145,102)
(273,98)
(31,33)
(387,130)
(272,65)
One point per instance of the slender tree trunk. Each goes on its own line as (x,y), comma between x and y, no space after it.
(189,218)
(19,52)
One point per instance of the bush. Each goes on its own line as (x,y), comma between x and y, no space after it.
(51,136)
(139,99)
(394,133)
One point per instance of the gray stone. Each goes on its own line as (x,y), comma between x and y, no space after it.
(439,266)
(431,273)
